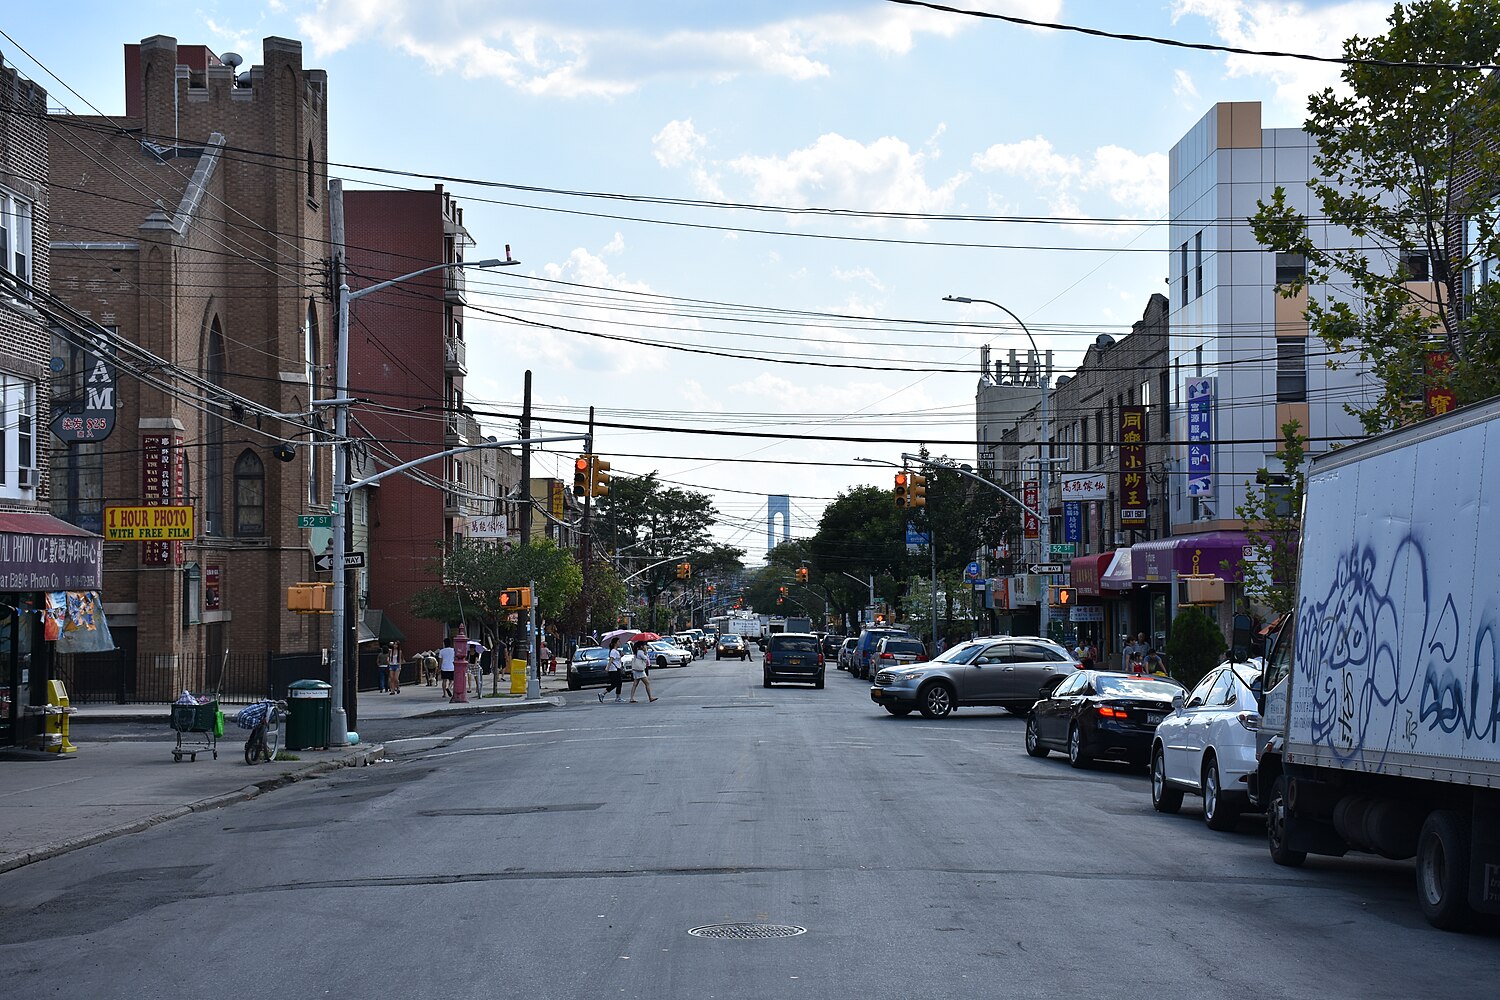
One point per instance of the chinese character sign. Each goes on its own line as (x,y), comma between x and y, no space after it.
(1085,486)
(1072,520)
(161,484)
(1200,404)
(1133,467)
(1031,496)
(1440,398)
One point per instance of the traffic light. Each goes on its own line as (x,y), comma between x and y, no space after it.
(801,574)
(515,599)
(684,571)
(581,466)
(917,493)
(901,483)
(1063,597)
(598,477)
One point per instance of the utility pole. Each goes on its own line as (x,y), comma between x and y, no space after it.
(345,686)
(526,462)
(586,541)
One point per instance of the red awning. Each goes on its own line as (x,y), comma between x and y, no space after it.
(1088,571)
(40,552)
(25,522)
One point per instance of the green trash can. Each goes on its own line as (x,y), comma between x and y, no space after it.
(309,713)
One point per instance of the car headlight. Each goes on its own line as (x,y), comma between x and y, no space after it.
(908,675)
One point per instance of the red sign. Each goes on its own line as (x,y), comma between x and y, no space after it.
(1440,398)
(1031,496)
(1133,494)
(212,596)
(161,484)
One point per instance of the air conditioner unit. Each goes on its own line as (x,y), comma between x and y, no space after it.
(26,477)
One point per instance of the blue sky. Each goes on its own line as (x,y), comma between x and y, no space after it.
(836,104)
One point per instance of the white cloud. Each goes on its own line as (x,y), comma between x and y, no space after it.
(591,50)
(677,144)
(1184,87)
(1283,27)
(1134,182)
(859,274)
(884,175)
(616,245)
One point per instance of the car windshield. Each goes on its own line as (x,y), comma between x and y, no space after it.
(591,653)
(796,644)
(1136,687)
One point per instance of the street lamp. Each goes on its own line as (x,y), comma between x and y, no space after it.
(339,725)
(1045,466)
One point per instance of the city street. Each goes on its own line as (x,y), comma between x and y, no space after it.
(568,853)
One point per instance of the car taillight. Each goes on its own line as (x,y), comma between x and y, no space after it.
(887,656)
(1250,720)
(1110,712)
(820,659)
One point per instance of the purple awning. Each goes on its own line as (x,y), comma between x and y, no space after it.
(1158,561)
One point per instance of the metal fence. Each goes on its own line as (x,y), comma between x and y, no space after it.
(122,677)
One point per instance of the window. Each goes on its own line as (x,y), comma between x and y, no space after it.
(1290,267)
(15,235)
(1198,265)
(1182,272)
(1291,370)
(1200,693)
(312,175)
(17,436)
(1483,265)
(1415,265)
(1163,383)
(249,496)
(213,437)
(78,483)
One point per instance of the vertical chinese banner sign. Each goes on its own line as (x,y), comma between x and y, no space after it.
(1031,496)
(1133,498)
(1073,520)
(1440,398)
(161,485)
(1200,405)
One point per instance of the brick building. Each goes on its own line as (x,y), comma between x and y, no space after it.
(196,227)
(407,361)
(38,554)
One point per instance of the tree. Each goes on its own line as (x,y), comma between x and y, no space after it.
(1272,512)
(655,523)
(1195,646)
(1403,157)
(863,534)
(600,602)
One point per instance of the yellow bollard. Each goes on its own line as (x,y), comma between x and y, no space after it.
(518,677)
(58,710)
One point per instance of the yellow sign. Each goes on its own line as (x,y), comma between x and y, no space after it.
(148,524)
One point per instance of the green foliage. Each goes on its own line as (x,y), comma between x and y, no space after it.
(1195,646)
(649,523)
(1403,154)
(1272,512)
(474,572)
(600,603)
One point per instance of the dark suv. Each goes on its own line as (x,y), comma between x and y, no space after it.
(864,650)
(793,656)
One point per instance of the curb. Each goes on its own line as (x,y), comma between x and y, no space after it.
(359,758)
(550,701)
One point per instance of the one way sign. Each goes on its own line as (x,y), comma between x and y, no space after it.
(352,560)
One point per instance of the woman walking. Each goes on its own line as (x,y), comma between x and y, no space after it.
(640,667)
(614,673)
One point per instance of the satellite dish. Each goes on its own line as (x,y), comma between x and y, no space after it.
(232,60)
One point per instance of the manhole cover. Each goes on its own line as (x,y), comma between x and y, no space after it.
(747,932)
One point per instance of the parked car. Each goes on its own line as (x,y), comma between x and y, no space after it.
(1005,671)
(586,666)
(793,656)
(665,653)
(866,646)
(1101,714)
(1207,746)
(687,641)
(732,646)
(846,653)
(831,644)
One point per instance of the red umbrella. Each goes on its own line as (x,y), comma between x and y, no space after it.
(645,637)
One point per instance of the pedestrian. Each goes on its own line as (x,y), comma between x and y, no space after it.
(445,667)
(548,659)
(393,664)
(614,673)
(1155,665)
(429,668)
(640,670)
(382,673)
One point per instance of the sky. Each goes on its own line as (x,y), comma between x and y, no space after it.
(682,308)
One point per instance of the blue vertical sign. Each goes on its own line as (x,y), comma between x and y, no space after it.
(1200,403)
(1072,520)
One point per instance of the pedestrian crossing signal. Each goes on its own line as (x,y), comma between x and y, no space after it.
(1064,597)
(515,599)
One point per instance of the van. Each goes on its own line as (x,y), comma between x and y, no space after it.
(793,656)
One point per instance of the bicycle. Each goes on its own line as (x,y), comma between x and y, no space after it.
(263,719)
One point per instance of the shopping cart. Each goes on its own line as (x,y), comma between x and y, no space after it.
(200,724)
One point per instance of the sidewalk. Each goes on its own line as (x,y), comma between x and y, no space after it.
(50,806)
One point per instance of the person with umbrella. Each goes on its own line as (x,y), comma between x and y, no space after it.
(614,668)
(641,664)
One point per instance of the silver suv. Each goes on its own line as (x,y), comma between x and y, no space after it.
(1011,671)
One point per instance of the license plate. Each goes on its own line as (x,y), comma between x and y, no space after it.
(1155,717)
(794,661)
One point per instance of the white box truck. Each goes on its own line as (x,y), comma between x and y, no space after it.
(1381,708)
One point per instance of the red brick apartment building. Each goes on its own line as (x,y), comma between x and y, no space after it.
(196,225)
(407,359)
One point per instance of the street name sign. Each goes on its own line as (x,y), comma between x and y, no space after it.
(314,521)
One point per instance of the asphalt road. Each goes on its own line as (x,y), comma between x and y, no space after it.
(568,854)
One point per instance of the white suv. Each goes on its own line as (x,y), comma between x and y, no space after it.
(1207,746)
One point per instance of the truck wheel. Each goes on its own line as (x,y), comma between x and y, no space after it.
(1443,870)
(1276,826)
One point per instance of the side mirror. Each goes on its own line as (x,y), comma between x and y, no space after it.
(1177,702)
(1242,635)
(1258,691)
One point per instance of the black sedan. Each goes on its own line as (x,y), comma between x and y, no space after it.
(1096,714)
(733,646)
(587,666)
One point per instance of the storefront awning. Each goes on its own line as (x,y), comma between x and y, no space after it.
(1117,576)
(1088,572)
(41,552)
(1161,560)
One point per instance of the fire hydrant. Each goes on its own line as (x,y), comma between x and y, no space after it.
(461,667)
(57,712)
